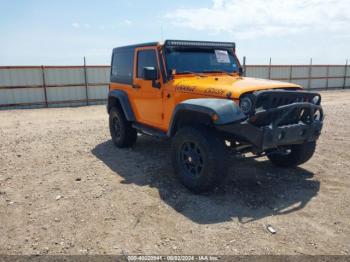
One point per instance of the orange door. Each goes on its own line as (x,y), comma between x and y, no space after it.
(147,100)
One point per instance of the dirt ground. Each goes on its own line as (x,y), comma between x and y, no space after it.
(64,188)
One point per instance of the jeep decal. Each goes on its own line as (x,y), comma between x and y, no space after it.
(185,88)
(214,91)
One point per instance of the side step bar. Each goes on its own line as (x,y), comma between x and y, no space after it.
(147,130)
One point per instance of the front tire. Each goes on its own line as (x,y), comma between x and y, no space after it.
(198,157)
(294,155)
(122,133)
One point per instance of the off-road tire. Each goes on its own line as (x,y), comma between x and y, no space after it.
(298,155)
(211,157)
(126,135)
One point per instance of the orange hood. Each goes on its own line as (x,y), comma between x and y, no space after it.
(225,85)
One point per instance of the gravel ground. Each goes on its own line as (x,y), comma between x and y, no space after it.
(64,188)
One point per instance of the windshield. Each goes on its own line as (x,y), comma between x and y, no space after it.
(195,60)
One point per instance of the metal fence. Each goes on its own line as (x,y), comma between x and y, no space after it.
(56,86)
(309,76)
(53,86)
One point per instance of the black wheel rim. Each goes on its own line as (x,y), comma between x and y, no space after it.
(191,158)
(117,127)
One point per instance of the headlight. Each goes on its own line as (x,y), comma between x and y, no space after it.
(318,115)
(316,100)
(246,105)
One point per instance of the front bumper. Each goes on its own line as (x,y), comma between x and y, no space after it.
(289,124)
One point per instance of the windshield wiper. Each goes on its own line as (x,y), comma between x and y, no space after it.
(218,71)
(190,72)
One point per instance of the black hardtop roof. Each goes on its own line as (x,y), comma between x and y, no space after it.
(181,43)
(137,45)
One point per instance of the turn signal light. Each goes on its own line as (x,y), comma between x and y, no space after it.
(215,117)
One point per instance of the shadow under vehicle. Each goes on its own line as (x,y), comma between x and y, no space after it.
(256,190)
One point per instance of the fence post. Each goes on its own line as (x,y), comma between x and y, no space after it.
(270,69)
(345,73)
(310,73)
(291,74)
(327,77)
(86,83)
(244,66)
(44,85)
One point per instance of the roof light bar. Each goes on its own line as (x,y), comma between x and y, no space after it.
(182,43)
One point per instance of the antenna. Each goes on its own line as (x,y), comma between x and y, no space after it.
(161,32)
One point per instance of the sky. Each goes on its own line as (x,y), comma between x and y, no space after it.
(62,32)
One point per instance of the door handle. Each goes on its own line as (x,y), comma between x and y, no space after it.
(136,86)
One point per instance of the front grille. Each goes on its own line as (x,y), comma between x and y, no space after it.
(266,101)
(280,101)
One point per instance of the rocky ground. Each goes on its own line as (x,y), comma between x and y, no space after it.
(65,189)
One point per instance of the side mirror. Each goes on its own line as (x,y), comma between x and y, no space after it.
(241,71)
(150,73)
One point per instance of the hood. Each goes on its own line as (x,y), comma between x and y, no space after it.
(227,86)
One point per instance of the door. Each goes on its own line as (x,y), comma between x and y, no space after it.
(147,96)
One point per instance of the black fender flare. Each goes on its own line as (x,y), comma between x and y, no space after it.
(122,98)
(226,110)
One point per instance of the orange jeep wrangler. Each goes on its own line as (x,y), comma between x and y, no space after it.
(194,92)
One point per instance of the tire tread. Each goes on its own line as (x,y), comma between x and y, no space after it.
(214,148)
(299,155)
(129,134)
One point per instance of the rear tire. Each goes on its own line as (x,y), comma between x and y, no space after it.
(198,157)
(122,133)
(298,154)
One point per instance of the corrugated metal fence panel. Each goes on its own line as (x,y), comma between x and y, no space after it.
(18,77)
(318,71)
(300,72)
(347,82)
(280,72)
(336,71)
(21,77)
(257,71)
(21,96)
(64,76)
(98,78)
(98,92)
(318,83)
(336,83)
(98,75)
(28,95)
(66,86)
(66,93)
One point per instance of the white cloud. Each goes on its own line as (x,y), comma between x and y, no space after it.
(76,25)
(254,18)
(127,22)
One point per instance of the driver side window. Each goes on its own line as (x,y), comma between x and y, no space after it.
(146,58)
